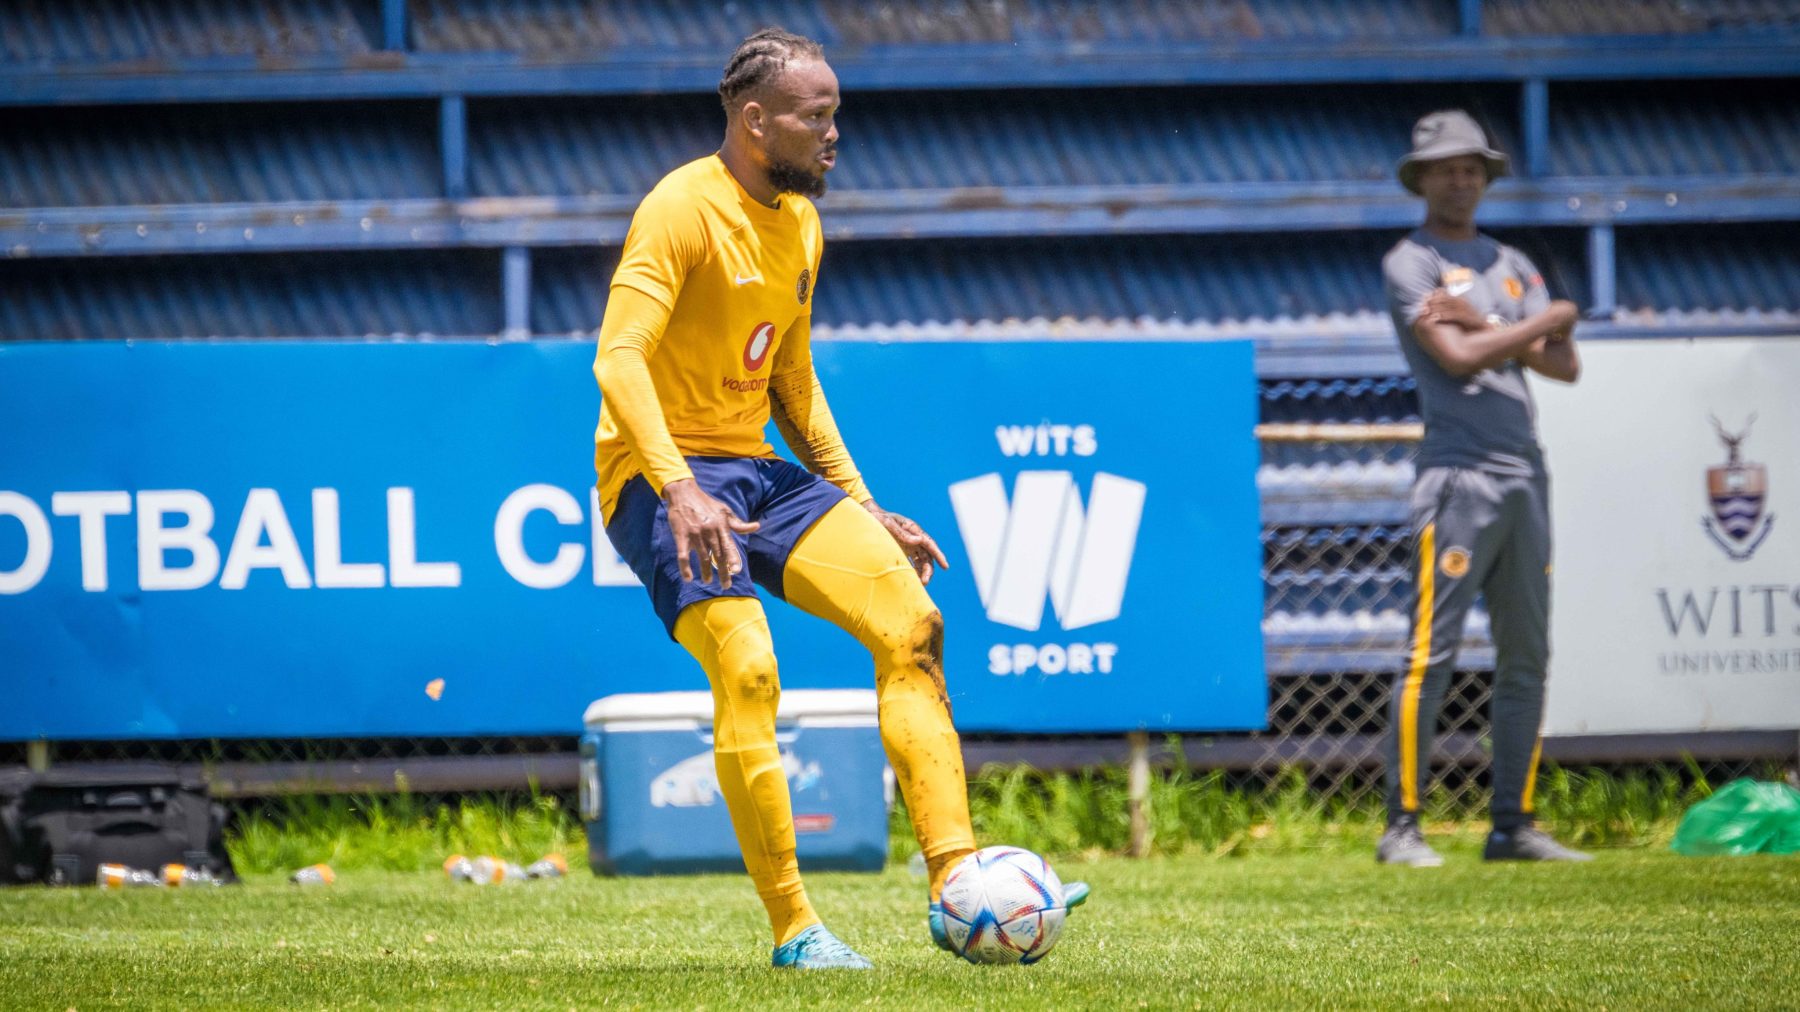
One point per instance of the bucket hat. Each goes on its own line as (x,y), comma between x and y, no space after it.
(1447,134)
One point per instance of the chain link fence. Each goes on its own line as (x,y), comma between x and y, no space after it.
(1337,596)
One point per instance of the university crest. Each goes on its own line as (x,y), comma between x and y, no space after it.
(1737,490)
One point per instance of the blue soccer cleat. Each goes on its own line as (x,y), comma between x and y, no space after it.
(817,948)
(1074,895)
(934,919)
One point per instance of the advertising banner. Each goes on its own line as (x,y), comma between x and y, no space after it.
(284,539)
(1675,483)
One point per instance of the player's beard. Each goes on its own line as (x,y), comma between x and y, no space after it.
(792,177)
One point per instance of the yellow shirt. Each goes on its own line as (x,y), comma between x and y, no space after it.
(735,278)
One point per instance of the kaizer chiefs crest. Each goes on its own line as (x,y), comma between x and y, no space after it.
(1738,491)
(803,287)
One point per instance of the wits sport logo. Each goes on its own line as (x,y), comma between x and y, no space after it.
(1044,543)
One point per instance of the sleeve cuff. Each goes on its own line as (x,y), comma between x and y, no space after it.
(661,480)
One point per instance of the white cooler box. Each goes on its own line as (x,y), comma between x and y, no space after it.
(650,795)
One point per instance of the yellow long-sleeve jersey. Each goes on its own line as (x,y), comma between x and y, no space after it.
(708,332)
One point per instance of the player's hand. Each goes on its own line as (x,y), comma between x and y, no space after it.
(920,550)
(705,526)
(1442,307)
(1567,313)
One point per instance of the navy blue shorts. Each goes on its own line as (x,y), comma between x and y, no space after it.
(786,498)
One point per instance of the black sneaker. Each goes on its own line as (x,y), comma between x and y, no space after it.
(1527,843)
(1404,844)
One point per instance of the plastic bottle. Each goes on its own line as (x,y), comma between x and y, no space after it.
(490,870)
(485,869)
(117,876)
(177,876)
(548,866)
(314,874)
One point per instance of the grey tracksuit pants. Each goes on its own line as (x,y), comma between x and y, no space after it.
(1475,532)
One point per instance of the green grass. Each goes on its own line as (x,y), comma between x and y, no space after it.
(1062,815)
(399,832)
(1635,929)
(1265,898)
(1190,811)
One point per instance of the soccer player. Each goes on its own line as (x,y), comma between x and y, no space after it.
(1472,315)
(707,335)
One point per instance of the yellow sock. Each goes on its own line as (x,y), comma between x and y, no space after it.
(939,868)
(729,636)
(848,570)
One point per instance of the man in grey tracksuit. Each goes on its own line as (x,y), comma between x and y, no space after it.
(1472,315)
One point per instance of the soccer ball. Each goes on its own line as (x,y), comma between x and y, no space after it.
(1003,905)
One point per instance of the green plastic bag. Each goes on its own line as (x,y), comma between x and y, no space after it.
(1743,817)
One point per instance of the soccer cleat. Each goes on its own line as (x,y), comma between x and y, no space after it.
(1404,844)
(817,948)
(1074,895)
(934,919)
(1528,843)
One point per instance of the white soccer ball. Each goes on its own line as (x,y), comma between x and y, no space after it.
(1003,905)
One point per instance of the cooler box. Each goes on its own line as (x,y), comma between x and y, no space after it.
(651,800)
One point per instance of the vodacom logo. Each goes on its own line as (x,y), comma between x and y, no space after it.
(756,350)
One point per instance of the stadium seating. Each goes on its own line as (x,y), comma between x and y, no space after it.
(354,168)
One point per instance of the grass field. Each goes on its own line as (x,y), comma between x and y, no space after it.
(1635,929)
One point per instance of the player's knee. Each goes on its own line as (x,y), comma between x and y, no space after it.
(1521,662)
(913,645)
(926,640)
(753,679)
(904,634)
(747,694)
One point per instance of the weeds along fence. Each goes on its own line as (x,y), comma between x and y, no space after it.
(1063,814)
(1337,590)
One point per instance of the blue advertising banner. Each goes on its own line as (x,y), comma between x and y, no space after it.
(278,539)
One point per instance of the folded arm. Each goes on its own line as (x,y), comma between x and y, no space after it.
(1552,353)
(1464,345)
(1554,356)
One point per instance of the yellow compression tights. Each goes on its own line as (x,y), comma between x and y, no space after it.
(849,571)
(729,636)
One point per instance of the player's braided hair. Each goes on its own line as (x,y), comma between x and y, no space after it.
(758,59)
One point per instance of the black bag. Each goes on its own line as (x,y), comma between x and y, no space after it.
(70,822)
(13,869)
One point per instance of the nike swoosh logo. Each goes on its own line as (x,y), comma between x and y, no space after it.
(741,280)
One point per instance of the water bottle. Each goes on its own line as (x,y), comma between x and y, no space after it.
(459,868)
(177,876)
(117,876)
(483,870)
(916,865)
(490,870)
(313,875)
(548,866)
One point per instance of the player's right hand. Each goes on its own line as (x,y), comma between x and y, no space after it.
(704,526)
(1442,307)
(1566,314)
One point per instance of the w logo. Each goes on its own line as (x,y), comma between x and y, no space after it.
(1044,543)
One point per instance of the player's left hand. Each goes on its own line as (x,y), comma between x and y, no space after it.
(1443,307)
(920,549)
